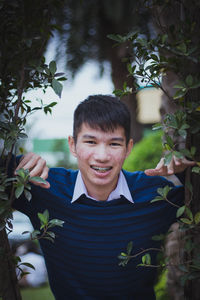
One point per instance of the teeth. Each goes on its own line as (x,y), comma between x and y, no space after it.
(100,169)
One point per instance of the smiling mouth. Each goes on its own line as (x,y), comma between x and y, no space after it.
(100,169)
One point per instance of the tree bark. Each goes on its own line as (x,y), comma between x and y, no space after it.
(192,289)
(163,18)
(119,76)
(9,289)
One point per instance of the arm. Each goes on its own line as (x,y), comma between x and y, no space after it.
(37,167)
(176,166)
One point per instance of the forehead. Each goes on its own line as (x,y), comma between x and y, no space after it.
(86,130)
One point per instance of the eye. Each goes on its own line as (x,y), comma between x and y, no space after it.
(90,142)
(115,144)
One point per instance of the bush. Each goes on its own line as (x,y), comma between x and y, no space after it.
(146,153)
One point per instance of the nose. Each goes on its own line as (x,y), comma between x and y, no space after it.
(101,154)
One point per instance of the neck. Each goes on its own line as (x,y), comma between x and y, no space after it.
(101,193)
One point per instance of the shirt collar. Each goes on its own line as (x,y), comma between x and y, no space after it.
(120,190)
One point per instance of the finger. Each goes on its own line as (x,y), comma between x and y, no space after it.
(43,185)
(189,162)
(154,172)
(28,161)
(150,172)
(177,161)
(38,168)
(160,164)
(170,167)
(45,173)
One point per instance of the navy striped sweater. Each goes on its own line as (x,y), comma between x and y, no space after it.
(83,262)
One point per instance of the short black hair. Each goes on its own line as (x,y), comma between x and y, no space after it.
(104,112)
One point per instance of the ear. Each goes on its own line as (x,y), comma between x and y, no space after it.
(129,147)
(72,145)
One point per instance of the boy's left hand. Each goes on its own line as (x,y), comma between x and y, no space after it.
(176,165)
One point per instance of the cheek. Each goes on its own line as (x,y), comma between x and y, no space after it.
(119,158)
(83,155)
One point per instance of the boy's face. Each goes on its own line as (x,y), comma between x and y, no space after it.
(100,156)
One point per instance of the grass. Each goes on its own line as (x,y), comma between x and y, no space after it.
(41,293)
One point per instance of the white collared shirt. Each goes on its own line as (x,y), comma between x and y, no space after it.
(120,190)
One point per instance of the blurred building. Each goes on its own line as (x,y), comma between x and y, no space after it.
(149,101)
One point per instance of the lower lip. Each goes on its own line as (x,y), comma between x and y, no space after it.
(101,174)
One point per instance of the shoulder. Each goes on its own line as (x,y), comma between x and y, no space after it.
(62,176)
(140,180)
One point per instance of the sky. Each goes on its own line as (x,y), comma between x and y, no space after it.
(59,124)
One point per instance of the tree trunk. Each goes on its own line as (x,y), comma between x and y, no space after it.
(192,289)
(9,289)
(119,76)
(163,18)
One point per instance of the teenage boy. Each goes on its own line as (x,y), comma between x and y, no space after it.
(103,208)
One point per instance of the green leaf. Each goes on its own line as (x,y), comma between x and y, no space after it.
(189,186)
(189,213)
(158,198)
(46,214)
(179,94)
(38,179)
(168,158)
(122,255)
(143,259)
(129,247)
(34,234)
(27,195)
(51,234)
(197,218)
(57,87)
(180,211)
(193,150)
(19,190)
(56,222)
(146,259)
(116,37)
(52,67)
(196,170)
(22,173)
(186,152)
(182,133)
(25,232)
(178,154)
(166,190)
(22,135)
(186,221)
(28,265)
(182,47)
(43,218)
(189,80)
(157,126)
(159,237)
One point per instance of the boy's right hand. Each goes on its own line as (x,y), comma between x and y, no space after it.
(36,166)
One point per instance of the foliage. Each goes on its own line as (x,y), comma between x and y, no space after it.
(46,224)
(85,25)
(145,154)
(175,50)
(25,29)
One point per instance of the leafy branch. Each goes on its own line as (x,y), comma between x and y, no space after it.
(46,224)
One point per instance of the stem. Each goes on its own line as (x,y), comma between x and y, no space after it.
(20,92)
(145,250)
(175,205)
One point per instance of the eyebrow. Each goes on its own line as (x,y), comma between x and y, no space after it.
(88,136)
